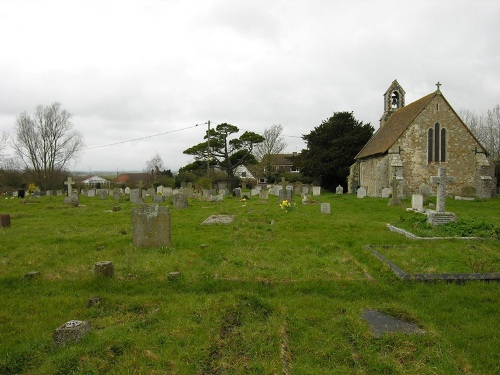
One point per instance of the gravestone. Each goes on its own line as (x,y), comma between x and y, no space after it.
(151,226)
(174,276)
(91,193)
(440,216)
(127,190)
(254,191)
(180,201)
(167,191)
(237,192)
(417,202)
(72,200)
(394,201)
(21,193)
(102,193)
(386,192)
(316,191)
(425,190)
(361,193)
(218,219)
(305,189)
(297,188)
(104,268)
(71,332)
(136,196)
(264,194)
(5,220)
(59,193)
(381,323)
(215,198)
(69,183)
(158,198)
(325,208)
(159,189)
(37,193)
(339,190)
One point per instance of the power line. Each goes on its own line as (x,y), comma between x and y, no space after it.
(138,139)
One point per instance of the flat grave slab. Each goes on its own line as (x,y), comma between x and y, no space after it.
(381,323)
(218,219)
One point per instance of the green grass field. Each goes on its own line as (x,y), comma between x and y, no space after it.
(275,292)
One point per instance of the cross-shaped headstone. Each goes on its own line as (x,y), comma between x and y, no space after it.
(394,201)
(284,182)
(69,183)
(441,180)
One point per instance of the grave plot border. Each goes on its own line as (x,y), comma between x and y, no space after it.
(392,228)
(426,277)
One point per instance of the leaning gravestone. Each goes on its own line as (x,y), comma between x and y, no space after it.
(151,226)
(71,332)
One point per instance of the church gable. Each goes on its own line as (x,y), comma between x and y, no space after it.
(414,142)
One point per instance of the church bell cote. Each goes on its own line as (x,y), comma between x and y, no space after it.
(394,99)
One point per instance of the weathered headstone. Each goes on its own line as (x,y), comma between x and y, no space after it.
(4,220)
(325,208)
(385,192)
(71,332)
(180,201)
(158,198)
(91,193)
(127,190)
(72,200)
(417,202)
(237,192)
(136,196)
(102,193)
(440,216)
(316,191)
(361,193)
(69,183)
(339,190)
(394,201)
(425,190)
(104,268)
(264,194)
(151,226)
(218,219)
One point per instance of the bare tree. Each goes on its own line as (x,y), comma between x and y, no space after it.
(155,165)
(273,144)
(3,146)
(45,142)
(486,128)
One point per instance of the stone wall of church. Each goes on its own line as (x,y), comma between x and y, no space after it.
(461,162)
(408,161)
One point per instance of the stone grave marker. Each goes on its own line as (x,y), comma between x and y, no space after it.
(91,193)
(167,191)
(394,201)
(71,332)
(159,189)
(386,192)
(4,220)
(151,226)
(180,201)
(305,189)
(127,190)
(72,200)
(59,193)
(264,194)
(21,193)
(102,193)
(316,191)
(361,193)
(104,268)
(417,202)
(135,196)
(215,198)
(381,323)
(218,219)
(440,216)
(425,190)
(37,193)
(339,190)
(237,192)
(158,198)
(325,208)
(69,183)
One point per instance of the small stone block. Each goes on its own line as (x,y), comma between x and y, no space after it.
(172,276)
(116,208)
(71,332)
(32,275)
(104,268)
(5,220)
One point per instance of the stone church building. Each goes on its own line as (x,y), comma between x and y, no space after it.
(413,141)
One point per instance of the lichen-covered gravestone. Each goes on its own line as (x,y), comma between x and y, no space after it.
(151,226)
(104,268)
(71,332)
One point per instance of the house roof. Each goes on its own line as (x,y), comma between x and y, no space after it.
(390,132)
(279,159)
(95,180)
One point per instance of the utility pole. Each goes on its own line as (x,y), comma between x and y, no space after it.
(208,149)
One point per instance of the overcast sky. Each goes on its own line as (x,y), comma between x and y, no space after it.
(129,70)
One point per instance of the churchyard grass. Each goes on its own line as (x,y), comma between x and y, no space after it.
(274,292)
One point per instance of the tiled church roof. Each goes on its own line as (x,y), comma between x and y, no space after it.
(390,132)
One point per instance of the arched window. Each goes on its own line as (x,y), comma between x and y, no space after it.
(436,144)
(443,145)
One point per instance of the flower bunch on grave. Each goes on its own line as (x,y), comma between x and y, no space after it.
(32,187)
(286,205)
